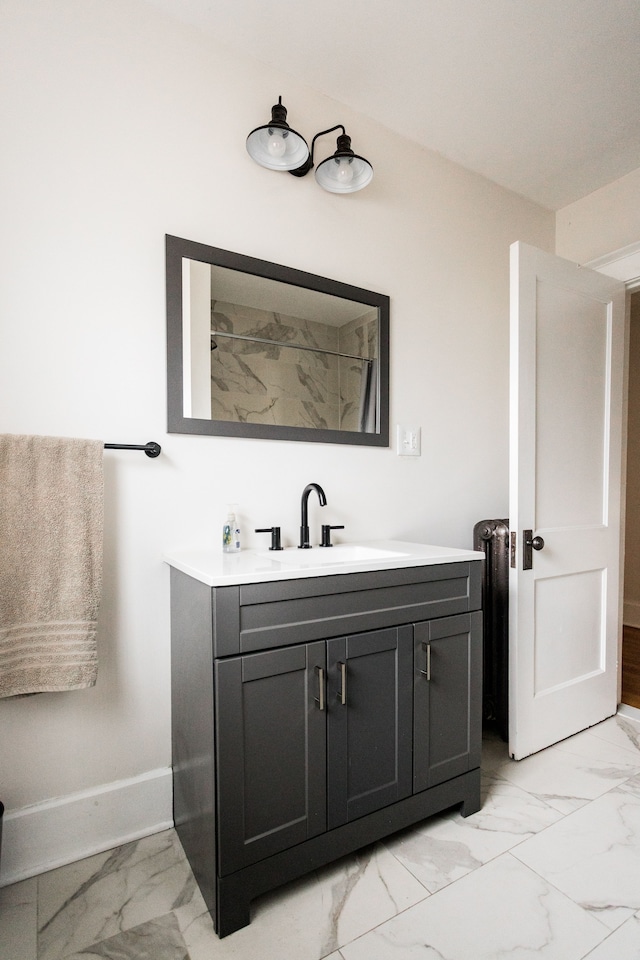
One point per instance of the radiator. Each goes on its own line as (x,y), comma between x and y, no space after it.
(492,537)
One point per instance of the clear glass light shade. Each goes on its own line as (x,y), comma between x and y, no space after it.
(277,148)
(344,174)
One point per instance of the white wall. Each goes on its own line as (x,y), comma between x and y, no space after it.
(120,126)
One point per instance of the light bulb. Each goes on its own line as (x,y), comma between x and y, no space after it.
(276,144)
(345,171)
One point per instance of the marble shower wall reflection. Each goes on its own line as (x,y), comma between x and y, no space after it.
(359,338)
(254,382)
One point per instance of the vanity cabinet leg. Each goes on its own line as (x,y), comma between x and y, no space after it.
(472,801)
(234,910)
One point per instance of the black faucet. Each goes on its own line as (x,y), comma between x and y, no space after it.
(304,518)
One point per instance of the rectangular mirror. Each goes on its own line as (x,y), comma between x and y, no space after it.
(256,349)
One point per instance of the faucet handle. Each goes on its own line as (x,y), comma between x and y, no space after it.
(326,533)
(275,536)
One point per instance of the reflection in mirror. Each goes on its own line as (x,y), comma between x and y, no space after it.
(256,349)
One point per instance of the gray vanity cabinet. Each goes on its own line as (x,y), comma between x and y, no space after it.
(314,716)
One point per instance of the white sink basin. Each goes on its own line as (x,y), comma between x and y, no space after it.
(340,553)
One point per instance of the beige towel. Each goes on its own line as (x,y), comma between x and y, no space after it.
(51,520)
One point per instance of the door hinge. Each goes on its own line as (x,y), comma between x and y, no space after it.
(514,539)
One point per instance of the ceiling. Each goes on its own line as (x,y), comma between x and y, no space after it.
(540,96)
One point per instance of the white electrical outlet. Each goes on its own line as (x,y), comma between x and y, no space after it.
(408,441)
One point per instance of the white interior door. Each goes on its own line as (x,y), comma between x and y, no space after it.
(567,359)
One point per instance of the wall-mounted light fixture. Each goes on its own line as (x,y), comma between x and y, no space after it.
(277,147)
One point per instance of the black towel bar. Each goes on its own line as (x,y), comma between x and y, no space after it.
(151,449)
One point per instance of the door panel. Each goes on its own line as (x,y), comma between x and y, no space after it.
(271,745)
(567,358)
(570,609)
(368,735)
(571,354)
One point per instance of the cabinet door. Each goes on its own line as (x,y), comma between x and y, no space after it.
(271,747)
(368,722)
(447,698)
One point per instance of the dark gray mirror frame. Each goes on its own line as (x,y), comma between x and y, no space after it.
(176,250)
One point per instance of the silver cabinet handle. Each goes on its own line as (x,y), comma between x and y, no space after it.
(342,696)
(320,698)
(427,671)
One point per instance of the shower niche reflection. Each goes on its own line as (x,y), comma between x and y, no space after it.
(257,349)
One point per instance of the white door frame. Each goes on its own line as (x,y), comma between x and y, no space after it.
(624,265)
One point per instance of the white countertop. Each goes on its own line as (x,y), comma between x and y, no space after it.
(217,569)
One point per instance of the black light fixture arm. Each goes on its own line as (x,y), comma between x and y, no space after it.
(343,147)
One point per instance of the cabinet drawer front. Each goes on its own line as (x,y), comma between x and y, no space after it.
(291,612)
(271,747)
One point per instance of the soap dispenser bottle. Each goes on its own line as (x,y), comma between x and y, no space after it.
(231,531)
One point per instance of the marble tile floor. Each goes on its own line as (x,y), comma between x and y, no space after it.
(550,867)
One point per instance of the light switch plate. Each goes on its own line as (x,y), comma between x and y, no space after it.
(408,441)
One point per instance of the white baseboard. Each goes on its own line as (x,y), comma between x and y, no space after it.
(631,613)
(631,713)
(50,834)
